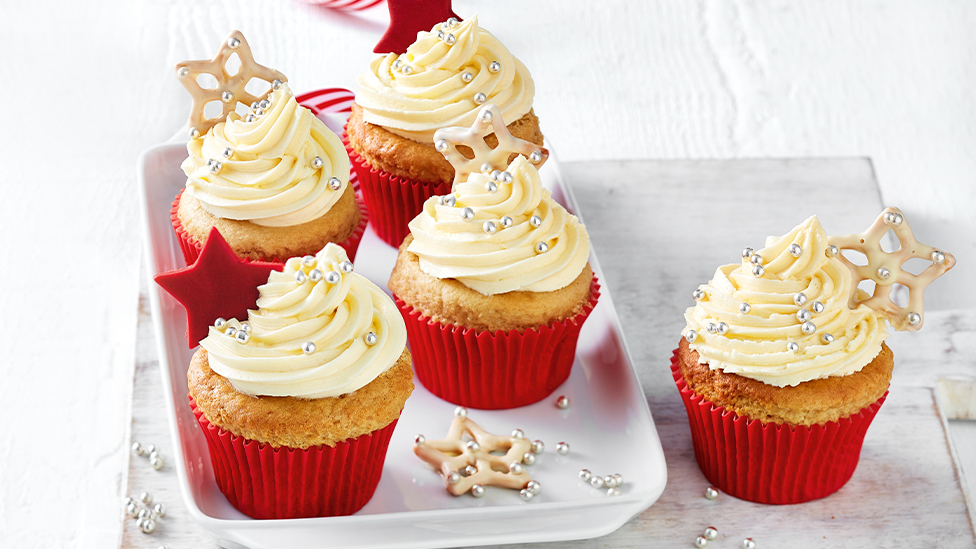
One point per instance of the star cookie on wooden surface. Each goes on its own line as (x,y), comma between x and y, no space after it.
(230,88)
(407,18)
(218,285)
(886,269)
(470,458)
(488,121)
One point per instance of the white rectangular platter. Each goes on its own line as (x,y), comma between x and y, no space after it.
(608,425)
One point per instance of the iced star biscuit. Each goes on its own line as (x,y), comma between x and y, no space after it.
(793,354)
(274,180)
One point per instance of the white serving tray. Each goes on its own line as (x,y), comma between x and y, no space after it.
(608,426)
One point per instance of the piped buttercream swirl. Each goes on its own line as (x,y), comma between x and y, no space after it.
(428,89)
(506,258)
(334,317)
(756,343)
(270,177)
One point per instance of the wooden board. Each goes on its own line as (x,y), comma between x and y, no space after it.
(660,229)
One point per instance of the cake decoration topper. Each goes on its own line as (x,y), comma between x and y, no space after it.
(218,285)
(407,18)
(473,464)
(486,159)
(230,88)
(886,269)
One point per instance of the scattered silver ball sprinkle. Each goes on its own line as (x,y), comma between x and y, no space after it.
(371,338)
(308,260)
(495,175)
(490,227)
(528,458)
(507,221)
(744,308)
(407,69)
(308,347)
(541,248)
(535,221)
(698,294)
(451,21)
(440,35)
(160,510)
(723,328)
(619,479)
(817,307)
(535,157)
(450,200)
(233,42)
(486,116)
(441,145)
(491,186)
(892,218)
(467,77)
(800,298)
(506,177)
(146,498)
(220,323)
(914,319)
(182,72)
(145,513)
(467,213)
(562,448)
(516,468)
(748,543)
(756,259)
(317,162)
(346,267)
(596,481)
(246,326)
(250,118)
(397,63)
(215,166)
(227,97)
(156,460)
(938,257)
(147,526)
(534,487)
(335,183)
(151,449)
(758,271)
(453,477)
(227,152)
(884,273)
(472,446)
(494,66)
(526,495)
(315,275)
(132,509)
(419,439)
(193,133)
(831,251)
(137,448)
(276,84)
(264,104)
(461,412)
(470,470)
(609,481)
(803,315)
(613,491)
(585,474)
(480,98)
(230,332)
(808,327)
(478,490)
(701,542)
(486,168)
(827,338)
(691,336)
(747,253)
(517,433)
(795,249)
(333,277)
(711,327)
(300,277)
(562,402)
(710,533)
(792,346)
(711,493)
(450,40)
(242,337)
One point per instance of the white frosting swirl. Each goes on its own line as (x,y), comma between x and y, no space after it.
(270,179)
(334,317)
(755,345)
(432,93)
(507,260)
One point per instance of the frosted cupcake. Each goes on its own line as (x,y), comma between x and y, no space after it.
(494,284)
(783,365)
(442,80)
(299,402)
(274,181)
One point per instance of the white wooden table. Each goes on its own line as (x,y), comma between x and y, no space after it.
(657,238)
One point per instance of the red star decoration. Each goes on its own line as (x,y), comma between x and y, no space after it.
(217,285)
(407,18)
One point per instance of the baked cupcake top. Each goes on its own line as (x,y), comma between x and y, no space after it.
(442,80)
(278,165)
(320,330)
(499,232)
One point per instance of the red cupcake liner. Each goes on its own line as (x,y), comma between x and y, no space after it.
(274,483)
(393,200)
(772,463)
(191,247)
(493,371)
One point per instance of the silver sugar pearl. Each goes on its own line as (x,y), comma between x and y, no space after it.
(146,498)
(892,218)
(491,186)
(541,248)
(518,434)
(486,168)
(467,77)
(182,72)
(317,162)
(308,260)
(535,157)
(803,315)
(800,298)
(215,166)
(250,118)
(220,323)
(535,221)
(613,491)
(516,468)
(723,328)
(333,277)
(255,106)
(440,35)
(495,175)
(147,526)
(300,277)
(691,336)
(461,412)
(758,271)
(227,152)
(478,491)
(227,97)
(938,257)
(585,474)
(371,338)
(335,183)
(151,449)
(748,543)
(449,200)
(526,495)
(259,112)
(494,66)
(480,98)
(145,513)
(407,69)
(534,487)
(609,482)
(419,439)
(276,84)
(914,319)
(619,479)
(698,294)
(160,510)
(711,493)
(827,338)
(132,509)
(308,347)
(744,308)
(596,481)
(242,337)
(486,116)
(562,402)
(808,327)
(453,477)
(701,542)
(246,326)
(233,42)
(506,221)
(562,448)
(470,470)
(346,267)
(451,21)
(831,251)
(817,307)
(193,133)
(472,446)
(794,249)
(506,177)
(467,213)
(756,259)
(397,63)
(450,40)
(538,447)
(441,145)
(884,273)
(490,227)
(747,253)
(137,448)
(315,275)
(793,346)
(264,104)
(711,327)
(710,533)
(528,458)
(230,332)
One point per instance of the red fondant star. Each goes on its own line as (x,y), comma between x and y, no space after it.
(407,18)
(217,285)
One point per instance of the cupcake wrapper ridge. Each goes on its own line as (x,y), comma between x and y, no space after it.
(773,464)
(492,371)
(393,200)
(191,247)
(274,483)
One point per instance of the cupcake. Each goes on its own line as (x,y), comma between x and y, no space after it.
(442,80)
(783,365)
(299,402)
(494,285)
(274,181)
